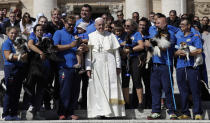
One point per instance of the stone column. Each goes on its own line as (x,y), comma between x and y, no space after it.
(141,6)
(44,6)
(179,5)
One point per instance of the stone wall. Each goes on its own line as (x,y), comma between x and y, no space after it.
(27,6)
(198,7)
(202,8)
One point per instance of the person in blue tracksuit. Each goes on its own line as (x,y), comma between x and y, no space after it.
(187,75)
(69,79)
(15,73)
(160,75)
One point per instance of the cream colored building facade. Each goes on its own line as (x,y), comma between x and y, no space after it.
(198,7)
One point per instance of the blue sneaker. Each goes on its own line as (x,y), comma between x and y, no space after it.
(7,118)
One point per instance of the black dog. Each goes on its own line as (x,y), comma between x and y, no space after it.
(37,70)
(205,95)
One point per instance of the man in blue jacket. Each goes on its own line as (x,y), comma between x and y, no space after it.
(160,74)
(187,75)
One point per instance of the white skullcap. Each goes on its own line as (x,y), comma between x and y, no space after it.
(98,19)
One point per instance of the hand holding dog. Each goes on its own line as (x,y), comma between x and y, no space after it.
(180,53)
(147,43)
(42,56)
(24,57)
(195,52)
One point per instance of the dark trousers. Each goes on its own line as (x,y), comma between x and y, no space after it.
(85,79)
(139,74)
(188,80)
(69,80)
(14,77)
(160,79)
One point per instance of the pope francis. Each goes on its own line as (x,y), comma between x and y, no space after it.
(104,96)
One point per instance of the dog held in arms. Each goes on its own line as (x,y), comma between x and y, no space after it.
(21,48)
(198,59)
(160,41)
(37,70)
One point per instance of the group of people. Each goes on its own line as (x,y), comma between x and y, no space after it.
(103,54)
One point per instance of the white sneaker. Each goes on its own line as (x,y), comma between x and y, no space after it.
(30,108)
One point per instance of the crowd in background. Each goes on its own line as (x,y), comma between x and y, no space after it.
(134,36)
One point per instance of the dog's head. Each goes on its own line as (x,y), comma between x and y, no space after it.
(163,33)
(46,45)
(153,42)
(183,45)
(19,41)
(21,45)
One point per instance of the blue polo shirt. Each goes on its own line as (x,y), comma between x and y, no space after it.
(33,37)
(121,38)
(89,28)
(164,58)
(179,34)
(135,37)
(145,37)
(153,30)
(191,40)
(8,45)
(63,37)
(35,41)
(83,35)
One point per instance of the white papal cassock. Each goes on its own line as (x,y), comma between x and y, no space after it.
(104,96)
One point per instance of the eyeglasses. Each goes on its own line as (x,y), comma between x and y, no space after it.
(120,15)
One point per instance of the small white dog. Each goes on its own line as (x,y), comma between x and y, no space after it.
(198,59)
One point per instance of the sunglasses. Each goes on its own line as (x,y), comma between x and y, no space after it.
(26,16)
(71,25)
(120,15)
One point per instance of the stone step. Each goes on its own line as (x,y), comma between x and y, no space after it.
(111,121)
(133,114)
